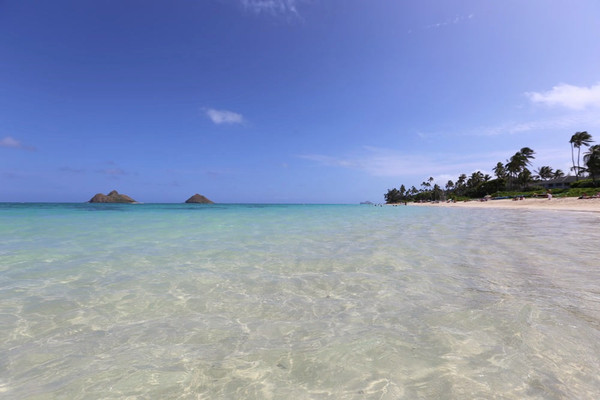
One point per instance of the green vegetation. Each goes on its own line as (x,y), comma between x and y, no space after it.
(577,140)
(592,161)
(513,178)
(586,183)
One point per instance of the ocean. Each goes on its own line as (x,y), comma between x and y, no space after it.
(186,301)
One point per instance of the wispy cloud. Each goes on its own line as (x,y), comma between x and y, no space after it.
(113,172)
(72,170)
(10,142)
(452,21)
(412,168)
(208,172)
(10,175)
(272,7)
(579,112)
(382,162)
(220,117)
(569,121)
(568,96)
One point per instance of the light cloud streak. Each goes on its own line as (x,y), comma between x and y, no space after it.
(220,117)
(382,162)
(413,168)
(453,21)
(114,172)
(571,121)
(568,96)
(10,142)
(580,112)
(72,170)
(272,7)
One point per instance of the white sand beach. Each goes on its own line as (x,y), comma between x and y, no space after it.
(557,204)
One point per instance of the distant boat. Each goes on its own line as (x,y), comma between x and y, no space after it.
(366,202)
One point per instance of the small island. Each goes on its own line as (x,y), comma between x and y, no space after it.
(112,197)
(199,199)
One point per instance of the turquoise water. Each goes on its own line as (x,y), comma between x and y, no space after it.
(291,301)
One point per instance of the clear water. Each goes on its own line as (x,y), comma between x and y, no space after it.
(305,302)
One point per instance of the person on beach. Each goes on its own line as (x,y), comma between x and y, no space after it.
(549,194)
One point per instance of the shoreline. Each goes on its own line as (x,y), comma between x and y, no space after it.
(556,204)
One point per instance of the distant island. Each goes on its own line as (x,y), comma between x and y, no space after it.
(112,197)
(198,198)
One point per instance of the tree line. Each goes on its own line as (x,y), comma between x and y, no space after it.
(514,174)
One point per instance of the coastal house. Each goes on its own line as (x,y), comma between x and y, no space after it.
(558,183)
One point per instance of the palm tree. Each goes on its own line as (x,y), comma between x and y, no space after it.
(545,172)
(527,155)
(592,160)
(500,170)
(517,165)
(558,174)
(459,186)
(577,140)
(475,179)
(524,177)
(437,192)
(512,168)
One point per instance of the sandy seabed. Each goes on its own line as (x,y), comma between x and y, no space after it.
(557,204)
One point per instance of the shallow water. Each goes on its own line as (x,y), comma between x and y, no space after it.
(292,301)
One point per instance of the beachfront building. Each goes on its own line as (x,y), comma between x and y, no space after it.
(563,182)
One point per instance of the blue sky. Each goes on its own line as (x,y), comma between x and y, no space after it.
(286,101)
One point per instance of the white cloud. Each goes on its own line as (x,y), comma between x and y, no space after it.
(10,142)
(569,96)
(13,143)
(273,7)
(224,117)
